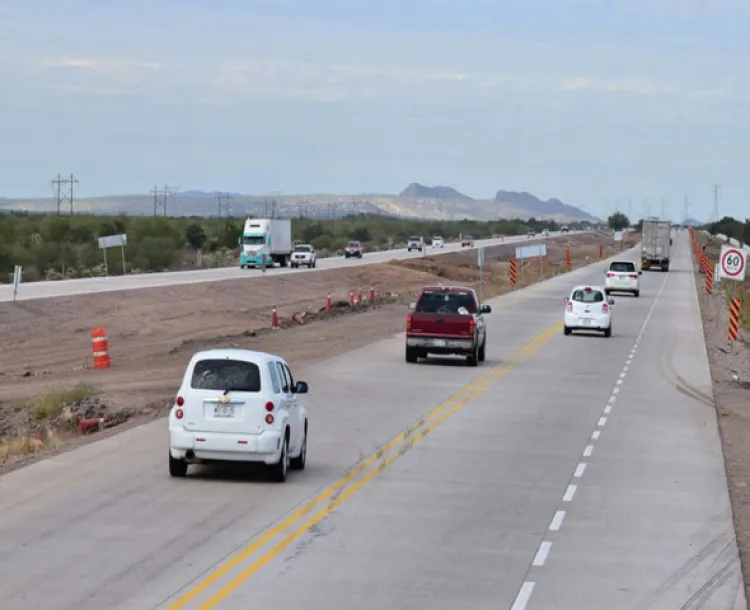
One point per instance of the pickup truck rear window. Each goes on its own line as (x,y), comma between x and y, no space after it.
(590,296)
(624,267)
(446,302)
(222,374)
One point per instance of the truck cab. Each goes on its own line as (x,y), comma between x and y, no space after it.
(447,320)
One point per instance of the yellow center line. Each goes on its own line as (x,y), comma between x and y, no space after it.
(440,414)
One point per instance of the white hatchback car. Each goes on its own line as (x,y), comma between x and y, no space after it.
(238,405)
(622,276)
(588,308)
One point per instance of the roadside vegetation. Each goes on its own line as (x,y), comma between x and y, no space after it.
(51,246)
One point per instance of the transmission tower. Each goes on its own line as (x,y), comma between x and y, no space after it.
(662,209)
(224,201)
(630,209)
(686,209)
(64,188)
(716,202)
(161,198)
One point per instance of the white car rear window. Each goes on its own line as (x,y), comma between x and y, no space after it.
(221,374)
(622,267)
(587,296)
(274,377)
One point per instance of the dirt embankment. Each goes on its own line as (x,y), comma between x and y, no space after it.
(46,344)
(730,373)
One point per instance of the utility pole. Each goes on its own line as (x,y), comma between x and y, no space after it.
(661,213)
(686,209)
(646,208)
(64,188)
(716,202)
(160,199)
(630,209)
(224,201)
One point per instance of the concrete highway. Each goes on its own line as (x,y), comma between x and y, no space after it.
(566,473)
(45,290)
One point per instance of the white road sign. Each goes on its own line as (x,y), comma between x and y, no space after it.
(732,263)
(618,235)
(480,256)
(531,251)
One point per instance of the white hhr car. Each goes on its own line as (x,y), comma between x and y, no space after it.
(238,405)
(588,308)
(622,276)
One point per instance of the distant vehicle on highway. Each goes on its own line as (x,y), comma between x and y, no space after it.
(467,240)
(622,276)
(588,308)
(304,254)
(531,234)
(266,241)
(545,233)
(656,242)
(415,242)
(238,405)
(564,229)
(353,249)
(447,320)
(438,241)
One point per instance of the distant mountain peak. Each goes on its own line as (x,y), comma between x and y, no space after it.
(536,206)
(419,191)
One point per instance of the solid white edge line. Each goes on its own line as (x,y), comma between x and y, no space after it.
(541,554)
(523,596)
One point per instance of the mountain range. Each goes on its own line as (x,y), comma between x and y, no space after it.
(415,201)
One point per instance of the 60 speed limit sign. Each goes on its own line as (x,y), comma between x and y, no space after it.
(732,263)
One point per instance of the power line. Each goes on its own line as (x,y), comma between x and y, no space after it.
(64,188)
(224,201)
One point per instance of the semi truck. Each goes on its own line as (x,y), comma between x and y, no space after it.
(266,241)
(656,244)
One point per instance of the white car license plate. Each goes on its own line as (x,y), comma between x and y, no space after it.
(224,411)
(438,342)
(586,321)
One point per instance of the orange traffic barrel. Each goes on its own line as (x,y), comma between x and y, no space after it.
(100,346)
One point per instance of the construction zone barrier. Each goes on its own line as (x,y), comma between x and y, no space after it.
(601,252)
(734,319)
(568,260)
(513,272)
(709,280)
(372,295)
(275,319)
(328,303)
(100,347)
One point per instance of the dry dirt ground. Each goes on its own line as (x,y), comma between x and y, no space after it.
(730,372)
(46,344)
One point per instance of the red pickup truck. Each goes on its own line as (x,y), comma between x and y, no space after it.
(447,320)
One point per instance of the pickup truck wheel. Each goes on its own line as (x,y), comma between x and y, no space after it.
(411,355)
(473,358)
(313,264)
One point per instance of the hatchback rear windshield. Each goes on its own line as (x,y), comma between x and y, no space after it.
(622,267)
(460,303)
(222,374)
(588,296)
(414,238)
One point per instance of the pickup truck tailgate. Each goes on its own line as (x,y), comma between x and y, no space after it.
(441,325)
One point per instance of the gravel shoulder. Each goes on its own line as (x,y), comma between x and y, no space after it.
(730,373)
(46,346)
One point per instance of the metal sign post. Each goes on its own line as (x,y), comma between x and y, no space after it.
(113,241)
(16,280)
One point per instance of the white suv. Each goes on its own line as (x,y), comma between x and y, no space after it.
(437,242)
(622,276)
(304,254)
(588,308)
(238,405)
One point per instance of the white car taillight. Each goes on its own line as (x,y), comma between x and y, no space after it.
(605,308)
(570,306)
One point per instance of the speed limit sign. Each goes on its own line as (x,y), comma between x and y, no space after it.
(732,263)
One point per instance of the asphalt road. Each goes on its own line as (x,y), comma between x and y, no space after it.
(45,290)
(566,472)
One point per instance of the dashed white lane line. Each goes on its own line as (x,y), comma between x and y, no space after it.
(570,492)
(557,520)
(541,554)
(524,594)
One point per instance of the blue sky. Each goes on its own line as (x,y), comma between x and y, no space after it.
(586,100)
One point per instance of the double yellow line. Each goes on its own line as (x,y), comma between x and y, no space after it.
(337,493)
